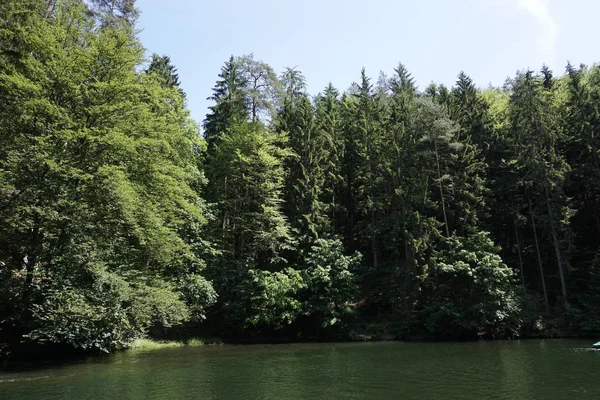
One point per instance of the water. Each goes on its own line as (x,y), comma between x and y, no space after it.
(552,369)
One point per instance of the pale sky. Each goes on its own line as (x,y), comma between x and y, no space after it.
(331,40)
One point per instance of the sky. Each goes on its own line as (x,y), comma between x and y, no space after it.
(331,40)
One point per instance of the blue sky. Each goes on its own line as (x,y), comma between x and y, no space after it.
(331,40)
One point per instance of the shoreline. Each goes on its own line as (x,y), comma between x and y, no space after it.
(28,361)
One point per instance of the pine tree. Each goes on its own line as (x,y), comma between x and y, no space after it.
(583,122)
(404,225)
(582,154)
(543,170)
(165,70)
(306,177)
(328,120)
(230,107)
(362,142)
(116,11)
(246,178)
(262,89)
(469,111)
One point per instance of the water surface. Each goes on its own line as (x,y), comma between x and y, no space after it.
(530,369)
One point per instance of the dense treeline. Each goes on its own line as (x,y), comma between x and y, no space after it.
(382,211)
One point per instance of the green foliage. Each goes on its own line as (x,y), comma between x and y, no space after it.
(273,299)
(246,178)
(262,87)
(231,105)
(586,311)
(99,184)
(198,294)
(329,124)
(145,345)
(306,175)
(381,208)
(331,282)
(102,311)
(541,168)
(115,11)
(165,71)
(469,291)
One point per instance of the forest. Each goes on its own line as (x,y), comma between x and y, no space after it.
(385,211)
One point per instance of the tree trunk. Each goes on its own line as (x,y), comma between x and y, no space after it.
(556,248)
(50,7)
(225,219)
(597,213)
(30,261)
(28,287)
(373,239)
(409,263)
(437,161)
(539,257)
(333,214)
(519,254)
(254,112)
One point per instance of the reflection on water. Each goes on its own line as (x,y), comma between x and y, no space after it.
(557,369)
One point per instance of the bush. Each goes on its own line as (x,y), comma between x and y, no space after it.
(274,298)
(331,283)
(104,311)
(198,294)
(470,292)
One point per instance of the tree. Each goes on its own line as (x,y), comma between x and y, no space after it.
(165,70)
(246,178)
(306,175)
(116,11)
(362,141)
(581,148)
(328,122)
(470,292)
(331,283)
(536,133)
(437,145)
(231,105)
(469,111)
(383,210)
(102,217)
(262,88)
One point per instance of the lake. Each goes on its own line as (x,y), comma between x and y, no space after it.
(526,369)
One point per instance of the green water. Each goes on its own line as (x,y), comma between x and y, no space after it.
(552,369)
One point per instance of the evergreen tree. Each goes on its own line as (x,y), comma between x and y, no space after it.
(469,111)
(262,89)
(246,178)
(362,141)
(165,70)
(582,154)
(306,177)
(116,11)
(230,106)
(543,170)
(328,122)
